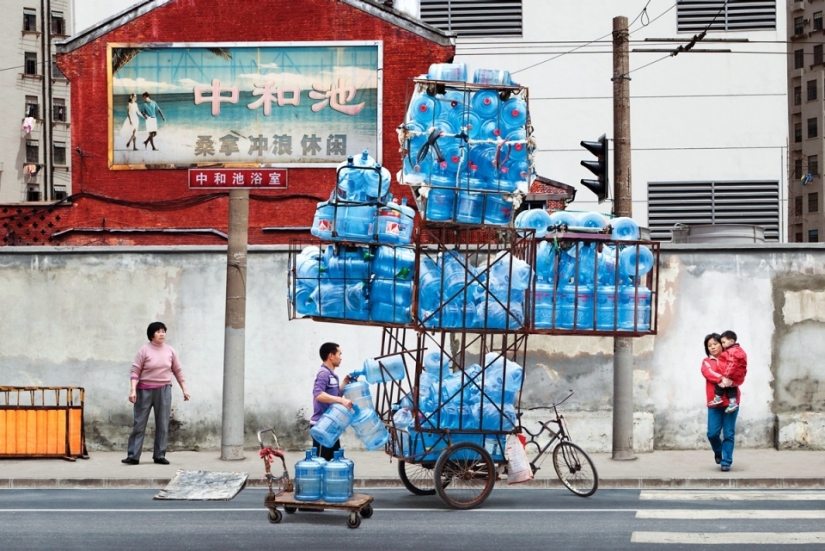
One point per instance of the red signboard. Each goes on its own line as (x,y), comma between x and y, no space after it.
(237,178)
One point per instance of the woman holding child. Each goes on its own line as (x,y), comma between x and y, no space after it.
(723,368)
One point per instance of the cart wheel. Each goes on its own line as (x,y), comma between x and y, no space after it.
(467,474)
(575,469)
(366,511)
(417,477)
(354,521)
(275,516)
(290,510)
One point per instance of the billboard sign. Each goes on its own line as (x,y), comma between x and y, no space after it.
(307,104)
(237,178)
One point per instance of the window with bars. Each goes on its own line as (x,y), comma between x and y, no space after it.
(798,237)
(32,107)
(59,151)
(30,63)
(58,23)
(32,151)
(813,165)
(811,90)
(797,168)
(797,95)
(797,132)
(813,236)
(726,15)
(813,202)
(813,127)
(57,73)
(798,26)
(798,59)
(818,21)
(747,202)
(474,17)
(817,54)
(59,110)
(797,205)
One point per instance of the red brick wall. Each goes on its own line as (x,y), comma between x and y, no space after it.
(405,55)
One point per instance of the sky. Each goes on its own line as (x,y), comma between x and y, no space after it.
(90,12)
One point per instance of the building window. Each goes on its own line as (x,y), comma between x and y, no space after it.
(813,165)
(59,153)
(818,21)
(797,168)
(754,202)
(818,54)
(813,236)
(813,202)
(474,17)
(32,107)
(798,237)
(797,205)
(59,110)
(58,23)
(797,95)
(798,59)
(29,20)
(797,132)
(57,73)
(811,90)
(30,64)
(32,151)
(726,15)
(798,26)
(813,128)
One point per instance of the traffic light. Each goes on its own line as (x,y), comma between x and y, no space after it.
(597,167)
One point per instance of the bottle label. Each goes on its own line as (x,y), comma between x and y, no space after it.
(392,228)
(324,225)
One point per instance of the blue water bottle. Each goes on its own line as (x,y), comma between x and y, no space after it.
(513,115)
(351,464)
(336,480)
(308,479)
(537,219)
(456,72)
(331,425)
(370,429)
(424,109)
(486,103)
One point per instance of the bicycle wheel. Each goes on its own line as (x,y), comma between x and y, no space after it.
(575,469)
(467,474)
(418,478)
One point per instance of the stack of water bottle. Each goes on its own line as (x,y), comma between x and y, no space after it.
(361,208)
(571,278)
(363,417)
(454,294)
(354,282)
(317,479)
(472,399)
(467,147)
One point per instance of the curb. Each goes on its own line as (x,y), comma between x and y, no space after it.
(640,483)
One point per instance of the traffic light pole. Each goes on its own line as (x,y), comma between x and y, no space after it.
(622,206)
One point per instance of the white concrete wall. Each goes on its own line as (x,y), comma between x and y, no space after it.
(77,317)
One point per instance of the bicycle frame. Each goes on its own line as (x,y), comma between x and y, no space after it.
(559,435)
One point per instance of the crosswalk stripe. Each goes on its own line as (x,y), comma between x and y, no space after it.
(729,538)
(718,514)
(732,495)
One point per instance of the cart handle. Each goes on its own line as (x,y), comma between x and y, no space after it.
(553,405)
(276,445)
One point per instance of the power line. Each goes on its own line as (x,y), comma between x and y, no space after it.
(675,96)
(708,148)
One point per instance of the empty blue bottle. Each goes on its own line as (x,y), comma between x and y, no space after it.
(537,219)
(633,258)
(546,254)
(389,312)
(309,479)
(391,291)
(456,72)
(606,296)
(389,224)
(358,392)
(470,207)
(376,183)
(336,481)
(634,308)
(456,271)
(512,272)
(351,265)
(351,465)
(394,369)
(491,130)
(330,299)
(437,362)
(356,305)
(322,225)
(428,388)
(429,284)
(563,218)
(402,420)
(625,229)
(575,308)
(394,263)
(407,223)
(331,425)
(593,220)
(359,223)
(485,104)
(440,204)
(370,429)
(513,115)
(498,211)
(543,302)
(495,77)
(517,144)
(424,109)
(607,265)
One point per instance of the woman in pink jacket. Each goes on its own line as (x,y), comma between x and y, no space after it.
(151,389)
(721,425)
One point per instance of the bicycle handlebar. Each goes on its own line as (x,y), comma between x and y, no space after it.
(553,405)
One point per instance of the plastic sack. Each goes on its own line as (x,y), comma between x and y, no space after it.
(518,467)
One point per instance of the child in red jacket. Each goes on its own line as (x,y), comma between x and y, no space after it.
(734,365)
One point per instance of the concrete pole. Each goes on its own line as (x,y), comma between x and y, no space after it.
(622,206)
(232,420)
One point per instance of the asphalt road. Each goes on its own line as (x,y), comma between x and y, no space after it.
(510,520)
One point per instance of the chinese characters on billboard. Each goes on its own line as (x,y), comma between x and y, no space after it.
(201,105)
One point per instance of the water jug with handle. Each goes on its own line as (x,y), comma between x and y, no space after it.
(332,424)
(389,224)
(317,458)
(377,183)
(470,207)
(336,480)
(309,479)
(429,284)
(393,370)
(358,392)
(370,429)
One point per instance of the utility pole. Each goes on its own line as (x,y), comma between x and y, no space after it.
(232,420)
(622,206)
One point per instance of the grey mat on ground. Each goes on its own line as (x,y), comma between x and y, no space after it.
(204,485)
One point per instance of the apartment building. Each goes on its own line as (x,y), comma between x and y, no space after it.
(806,92)
(35,137)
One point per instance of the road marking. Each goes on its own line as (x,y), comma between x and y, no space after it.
(259,509)
(732,495)
(718,514)
(729,538)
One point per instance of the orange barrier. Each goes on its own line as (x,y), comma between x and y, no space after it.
(42,422)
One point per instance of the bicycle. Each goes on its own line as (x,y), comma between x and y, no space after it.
(573,466)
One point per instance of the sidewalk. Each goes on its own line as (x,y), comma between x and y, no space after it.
(752,468)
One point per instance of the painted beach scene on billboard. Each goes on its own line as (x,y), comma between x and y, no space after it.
(311,104)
